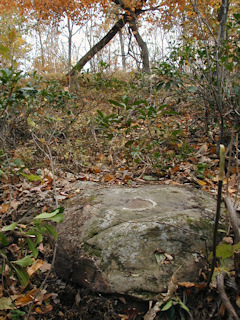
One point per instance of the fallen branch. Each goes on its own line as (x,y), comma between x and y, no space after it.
(172,287)
(233,218)
(224,297)
(152,313)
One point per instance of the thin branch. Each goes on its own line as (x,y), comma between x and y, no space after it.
(233,219)
(224,297)
(218,210)
(196,10)
(49,155)
(43,283)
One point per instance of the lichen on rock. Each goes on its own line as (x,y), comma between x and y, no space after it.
(135,238)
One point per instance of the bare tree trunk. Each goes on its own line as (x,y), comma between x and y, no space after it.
(129,17)
(41,47)
(142,45)
(100,45)
(216,90)
(220,71)
(70,35)
(122,49)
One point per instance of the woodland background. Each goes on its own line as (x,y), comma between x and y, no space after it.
(118,92)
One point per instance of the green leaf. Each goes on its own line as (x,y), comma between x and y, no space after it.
(183,306)
(116,103)
(18,162)
(51,230)
(24,262)
(167,85)
(31,177)
(3,240)
(110,136)
(236,16)
(32,247)
(3,254)
(159,257)
(31,123)
(159,85)
(58,218)
(163,106)
(192,89)
(2,173)
(12,226)
(6,303)
(167,305)
(224,250)
(129,143)
(17,314)
(22,275)
(51,216)
(37,234)
(139,102)
(229,66)
(47,215)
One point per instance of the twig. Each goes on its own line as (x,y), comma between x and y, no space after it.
(238,175)
(52,168)
(224,297)
(49,155)
(219,197)
(43,283)
(172,287)
(233,218)
(196,10)
(229,161)
(152,313)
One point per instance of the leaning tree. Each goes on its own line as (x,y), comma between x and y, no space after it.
(129,12)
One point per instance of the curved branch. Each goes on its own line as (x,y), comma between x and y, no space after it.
(224,297)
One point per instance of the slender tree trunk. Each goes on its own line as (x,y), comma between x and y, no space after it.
(70,36)
(41,47)
(219,70)
(142,44)
(122,49)
(100,45)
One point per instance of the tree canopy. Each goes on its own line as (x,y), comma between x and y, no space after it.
(166,13)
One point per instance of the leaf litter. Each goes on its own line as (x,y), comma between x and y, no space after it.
(108,163)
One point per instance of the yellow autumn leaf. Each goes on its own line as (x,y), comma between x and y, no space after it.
(201,183)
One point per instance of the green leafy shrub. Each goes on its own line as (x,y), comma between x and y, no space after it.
(29,236)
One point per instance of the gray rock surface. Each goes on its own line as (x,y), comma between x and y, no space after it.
(131,240)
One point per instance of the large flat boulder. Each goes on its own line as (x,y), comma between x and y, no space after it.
(131,240)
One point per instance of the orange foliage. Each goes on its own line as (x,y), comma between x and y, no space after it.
(166,12)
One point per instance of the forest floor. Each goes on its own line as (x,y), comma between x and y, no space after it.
(137,136)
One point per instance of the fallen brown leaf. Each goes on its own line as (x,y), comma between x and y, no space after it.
(35,266)
(4,208)
(26,299)
(108,178)
(46,267)
(44,309)
(14,204)
(186,284)
(95,169)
